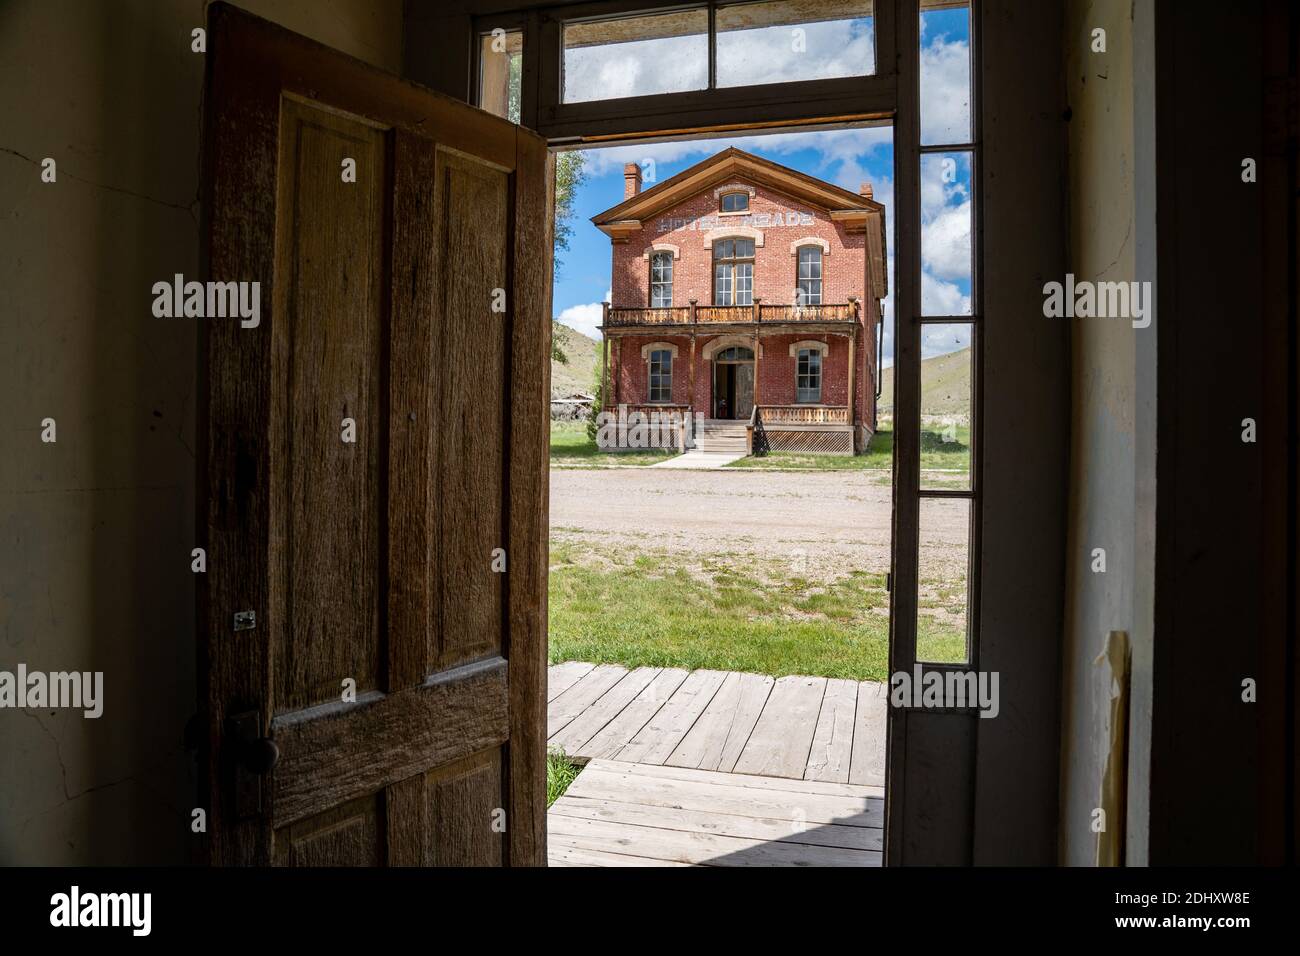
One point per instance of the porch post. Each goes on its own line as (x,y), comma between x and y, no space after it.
(604,356)
(690,403)
(853,368)
(757,348)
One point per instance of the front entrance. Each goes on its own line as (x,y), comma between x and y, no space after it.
(733,383)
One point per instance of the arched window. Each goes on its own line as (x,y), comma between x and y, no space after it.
(661,375)
(735,202)
(737,353)
(661,280)
(809,284)
(733,272)
(808,376)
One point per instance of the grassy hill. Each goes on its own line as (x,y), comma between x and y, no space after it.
(579,373)
(945,386)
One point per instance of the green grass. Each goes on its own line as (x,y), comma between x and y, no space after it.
(559,774)
(949,457)
(724,613)
(570,447)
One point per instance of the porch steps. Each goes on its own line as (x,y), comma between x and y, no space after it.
(722,435)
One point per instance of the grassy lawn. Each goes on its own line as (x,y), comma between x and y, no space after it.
(571,448)
(943,458)
(728,612)
(559,774)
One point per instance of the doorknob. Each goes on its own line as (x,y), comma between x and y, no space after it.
(255,753)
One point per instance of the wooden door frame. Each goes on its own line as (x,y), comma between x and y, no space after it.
(1008,811)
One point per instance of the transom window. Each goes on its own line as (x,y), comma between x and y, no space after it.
(661,375)
(735,202)
(809,287)
(808,376)
(661,280)
(733,272)
(737,353)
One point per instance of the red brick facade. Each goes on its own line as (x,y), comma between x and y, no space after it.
(686,224)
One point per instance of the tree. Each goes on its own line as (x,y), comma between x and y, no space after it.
(570,174)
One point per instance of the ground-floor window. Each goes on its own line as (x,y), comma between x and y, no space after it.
(808,376)
(661,375)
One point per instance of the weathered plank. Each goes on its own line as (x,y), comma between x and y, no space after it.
(580,696)
(615,735)
(608,706)
(782,737)
(787,784)
(867,766)
(726,798)
(562,854)
(703,848)
(784,830)
(655,742)
(560,677)
(832,743)
(719,735)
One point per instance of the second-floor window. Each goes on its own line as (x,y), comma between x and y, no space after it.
(661,280)
(809,285)
(733,272)
(661,375)
(808,376)
(735,202)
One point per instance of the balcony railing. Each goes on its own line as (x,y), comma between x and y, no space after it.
(729,314)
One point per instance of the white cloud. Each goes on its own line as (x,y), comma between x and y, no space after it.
(942,298)
(946,243)
(945,92)
(584,318)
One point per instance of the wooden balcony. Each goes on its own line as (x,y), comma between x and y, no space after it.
(697,315)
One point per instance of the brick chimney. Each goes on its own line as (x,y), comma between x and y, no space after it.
(865,190)
(631,180)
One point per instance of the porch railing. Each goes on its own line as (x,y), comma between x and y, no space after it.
(617,317)
(805,414)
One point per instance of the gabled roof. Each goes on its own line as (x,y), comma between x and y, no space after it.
(728,164)
(854,211)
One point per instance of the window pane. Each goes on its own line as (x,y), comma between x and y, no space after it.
(784,40)
(636,56)
(500,71)
(946,250)
(943,571)
(946,396)
(945,73)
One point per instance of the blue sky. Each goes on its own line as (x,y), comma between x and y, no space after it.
(846,158)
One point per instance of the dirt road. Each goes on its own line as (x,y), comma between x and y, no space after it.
(833,521)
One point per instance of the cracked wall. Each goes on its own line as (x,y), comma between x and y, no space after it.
(97,528)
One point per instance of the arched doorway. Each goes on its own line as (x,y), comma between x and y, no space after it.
(733,382)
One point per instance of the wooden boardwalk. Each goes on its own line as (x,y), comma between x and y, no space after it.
(801,728)
(716,768)
(629,814)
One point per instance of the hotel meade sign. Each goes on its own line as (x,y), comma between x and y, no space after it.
(757,220)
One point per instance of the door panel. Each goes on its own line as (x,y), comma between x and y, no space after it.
(396,674)
(744,390)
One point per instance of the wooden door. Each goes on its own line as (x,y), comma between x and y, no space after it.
(744,390)
(373,500)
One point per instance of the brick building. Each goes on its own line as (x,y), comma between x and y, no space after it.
(740,285)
